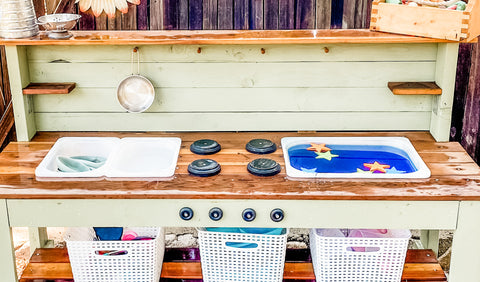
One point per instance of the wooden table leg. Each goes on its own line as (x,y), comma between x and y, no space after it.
(465,263)
(8,270)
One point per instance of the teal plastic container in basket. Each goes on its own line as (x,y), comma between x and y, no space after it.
(242,254)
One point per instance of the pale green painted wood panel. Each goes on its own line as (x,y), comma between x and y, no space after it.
(312,74)
(237,53)
(38,238)
(8,270)
(445,76)
(430,240)
(301,213)
(465,264)
(331,121)
(22,105)
(241,99)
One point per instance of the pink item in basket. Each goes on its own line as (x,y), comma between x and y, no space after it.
(367,233)
(129,235)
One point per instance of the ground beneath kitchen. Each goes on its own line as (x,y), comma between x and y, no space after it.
(187,237)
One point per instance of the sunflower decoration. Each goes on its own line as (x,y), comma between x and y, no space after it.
(109,6)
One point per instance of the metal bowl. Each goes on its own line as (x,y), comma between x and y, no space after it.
(135,93)
(58,25)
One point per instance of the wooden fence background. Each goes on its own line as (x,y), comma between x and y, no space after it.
(223,14)
(265,14)
(7,130)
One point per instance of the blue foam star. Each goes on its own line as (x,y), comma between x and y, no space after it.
(393,170)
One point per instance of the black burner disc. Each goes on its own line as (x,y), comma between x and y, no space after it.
(205,147)
(264,167)
(261,146)
(204,168)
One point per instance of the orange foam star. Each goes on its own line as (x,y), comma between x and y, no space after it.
(377,167)
(318,148)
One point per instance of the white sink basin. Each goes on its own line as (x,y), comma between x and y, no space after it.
(148,157)
(352,157)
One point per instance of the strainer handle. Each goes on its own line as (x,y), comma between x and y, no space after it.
(136,51)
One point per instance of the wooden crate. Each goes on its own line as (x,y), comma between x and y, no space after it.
(427,21)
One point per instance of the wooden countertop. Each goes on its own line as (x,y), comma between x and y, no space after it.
(205,37)
(454,174)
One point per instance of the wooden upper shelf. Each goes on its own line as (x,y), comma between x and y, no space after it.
(222,37)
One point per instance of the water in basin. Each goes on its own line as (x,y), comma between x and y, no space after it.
(352,157)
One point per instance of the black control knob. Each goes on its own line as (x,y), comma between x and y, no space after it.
(277,215)
(215,214)
(186,213)
(249,214)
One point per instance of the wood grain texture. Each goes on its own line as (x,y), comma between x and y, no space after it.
(178,100)
(225,14)
(101,22)
(256,12)
(348,19)
(129,19)
(6,94)
(461,87)
(323,14)
(184,15)
(54,263)
(414,88)
(195,14)
(157,10)
(471,124)
(420,21)
(143,19)
(454,176)
(171,16)
(233,75)
(87,21)
(222,37)
(6,123)
(49,88)
(230,53)
(210,14)
(240,14)
(271,14)
(337,14)
(115,23)
(305,14)
(286,14)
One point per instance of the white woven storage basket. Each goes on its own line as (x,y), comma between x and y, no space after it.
(220,263)
(142,262)
(334,260)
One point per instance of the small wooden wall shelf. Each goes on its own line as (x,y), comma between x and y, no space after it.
(427,21)
(415,88)
(48,88)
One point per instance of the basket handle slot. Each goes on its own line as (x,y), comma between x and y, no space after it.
(364,249)
(241,245)
(107,253)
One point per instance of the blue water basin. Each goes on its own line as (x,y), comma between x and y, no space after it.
(352,157)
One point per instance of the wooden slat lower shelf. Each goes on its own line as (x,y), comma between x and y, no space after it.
(48,88)
(420,265)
